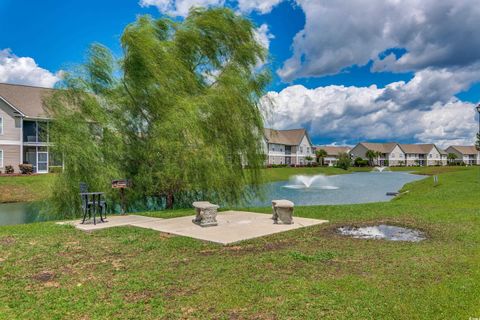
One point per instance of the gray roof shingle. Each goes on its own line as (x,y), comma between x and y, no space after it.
(291,137)
(27,99)
(466,149)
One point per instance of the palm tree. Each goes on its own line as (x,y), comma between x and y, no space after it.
(321,154)
(370,154)
(378,155)
(451,157)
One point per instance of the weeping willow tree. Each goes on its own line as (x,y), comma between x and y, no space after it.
(84,131)
(177,114)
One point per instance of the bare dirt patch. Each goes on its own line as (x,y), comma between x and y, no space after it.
(44,276)
(8,240)
(139,296)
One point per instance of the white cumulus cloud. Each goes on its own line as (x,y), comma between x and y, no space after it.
(263,35)
(24,70)
(449,124)
(400,111)
(262,6)
(179,8)
(339,34)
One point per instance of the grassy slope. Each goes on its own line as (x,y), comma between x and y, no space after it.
(25,188)
(56,271)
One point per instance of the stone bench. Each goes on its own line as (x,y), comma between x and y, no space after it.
(283,211)
(206,213)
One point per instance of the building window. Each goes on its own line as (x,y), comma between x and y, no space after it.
(308,149)
(1,158)
(1,125)
(301,149)
(30,131)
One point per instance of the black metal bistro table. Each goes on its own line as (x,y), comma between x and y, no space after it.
(93,201)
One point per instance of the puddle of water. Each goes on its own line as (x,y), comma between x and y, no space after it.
(383,231)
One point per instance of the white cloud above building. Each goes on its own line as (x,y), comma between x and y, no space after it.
(354,114)
(24,70)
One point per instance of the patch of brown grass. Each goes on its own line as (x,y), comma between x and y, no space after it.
(44,276)
(8,240)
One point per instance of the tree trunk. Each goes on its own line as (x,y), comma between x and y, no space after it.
(170,201)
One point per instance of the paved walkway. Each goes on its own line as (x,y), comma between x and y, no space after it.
(233,226)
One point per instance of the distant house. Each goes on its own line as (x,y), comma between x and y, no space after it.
(424,155)
(24,128)
(466,154)
(390,153)
(291,147)
(332,153)
(396,154)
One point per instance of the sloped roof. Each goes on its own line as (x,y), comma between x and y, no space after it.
(291,137)
(26,99)
(334,150)
(442,151)
(380,147)
(417,148)
(465,149)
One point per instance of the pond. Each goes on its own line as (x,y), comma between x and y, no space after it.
(19,213)
(361,187)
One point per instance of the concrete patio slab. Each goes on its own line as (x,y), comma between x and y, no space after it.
(233,226)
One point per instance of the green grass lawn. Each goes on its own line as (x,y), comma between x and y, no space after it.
(51,272)
(25,188)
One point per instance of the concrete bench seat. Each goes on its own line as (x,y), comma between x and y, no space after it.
(206,213)
(283,211)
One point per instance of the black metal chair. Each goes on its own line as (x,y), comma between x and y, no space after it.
(88,205)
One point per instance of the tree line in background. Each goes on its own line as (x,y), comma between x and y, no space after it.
(177,114)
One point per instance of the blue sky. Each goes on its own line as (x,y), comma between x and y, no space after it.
(348,71)
(57,33)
